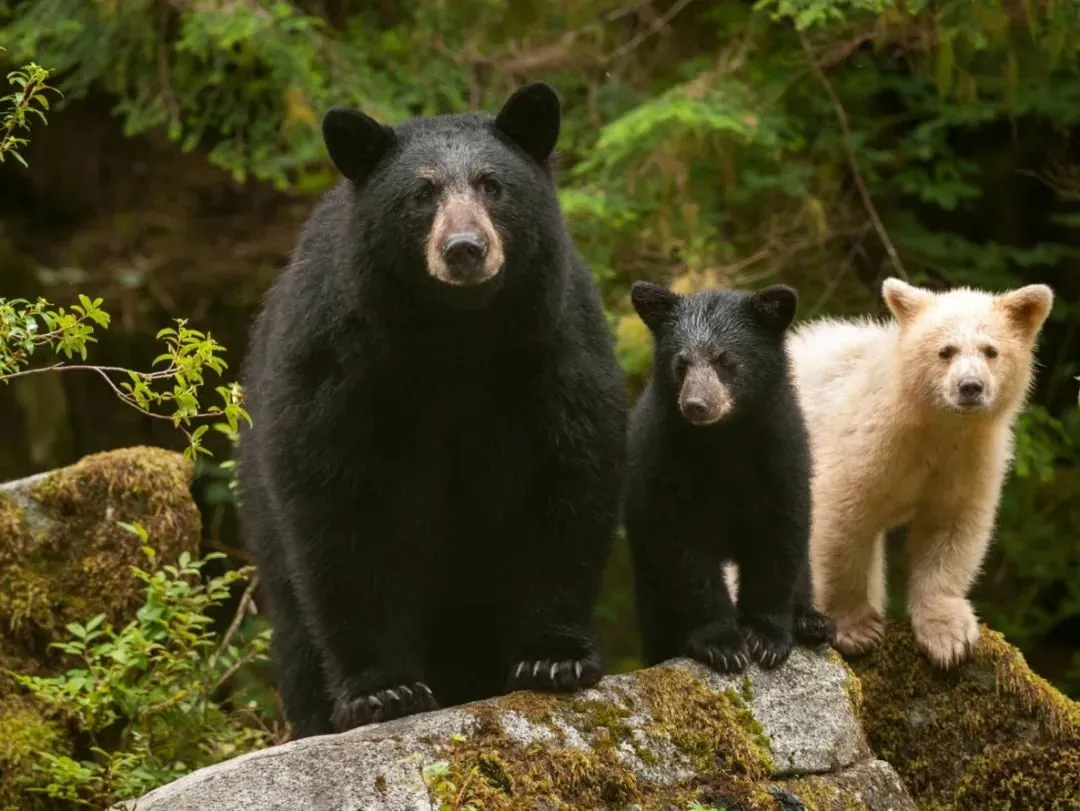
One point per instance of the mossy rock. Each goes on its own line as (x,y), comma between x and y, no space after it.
(64,558)
(988,735)
(659,738)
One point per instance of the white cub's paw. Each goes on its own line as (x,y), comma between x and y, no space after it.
(858,632)
(946,630)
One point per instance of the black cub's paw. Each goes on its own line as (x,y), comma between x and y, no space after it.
(357,709)
(813,628)
(720,646)
(769,644)
(555,673)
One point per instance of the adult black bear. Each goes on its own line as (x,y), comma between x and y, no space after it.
(719,472)
(430,488)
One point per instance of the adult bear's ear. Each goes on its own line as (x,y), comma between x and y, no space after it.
(356,142)
(653,303)
(530,118)
(775,306)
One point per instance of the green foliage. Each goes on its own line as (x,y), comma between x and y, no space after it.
(29,99)
(149,697)
(27,327)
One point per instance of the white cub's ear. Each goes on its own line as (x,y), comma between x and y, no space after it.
(904,301)
(356,142)
(653,303)
(776,306)
(1027,307)
(531,118)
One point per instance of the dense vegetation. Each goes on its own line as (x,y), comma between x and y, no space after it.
(825,143)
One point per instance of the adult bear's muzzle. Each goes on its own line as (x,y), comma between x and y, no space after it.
(463,248)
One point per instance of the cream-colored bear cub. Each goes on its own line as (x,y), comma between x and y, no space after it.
(911,422)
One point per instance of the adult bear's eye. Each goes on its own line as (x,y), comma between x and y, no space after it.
(426,192)
(490,186)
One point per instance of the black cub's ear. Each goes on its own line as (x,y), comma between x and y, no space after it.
(356,142)
(653,303)
(775,306)
(530,118)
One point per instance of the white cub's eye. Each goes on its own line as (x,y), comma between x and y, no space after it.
(990,352)
(946,352)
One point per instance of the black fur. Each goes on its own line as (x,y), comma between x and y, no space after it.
(735,491)
(431,484)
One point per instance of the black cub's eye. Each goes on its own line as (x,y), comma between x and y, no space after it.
(990,352)
(490,186)
(680,365)
(721,359)
(946,352)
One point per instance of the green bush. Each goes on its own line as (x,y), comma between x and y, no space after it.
(148,702)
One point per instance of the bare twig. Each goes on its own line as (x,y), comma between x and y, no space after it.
(849,147)
(241,610)
(655,28)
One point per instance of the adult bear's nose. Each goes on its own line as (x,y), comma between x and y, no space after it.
(464,249)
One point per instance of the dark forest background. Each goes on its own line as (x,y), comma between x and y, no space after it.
(822,143)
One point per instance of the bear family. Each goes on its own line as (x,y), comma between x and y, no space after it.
(911,423)
(718,473)
(430,485)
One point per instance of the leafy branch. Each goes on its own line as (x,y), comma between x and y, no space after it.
(27,327)
(28,99)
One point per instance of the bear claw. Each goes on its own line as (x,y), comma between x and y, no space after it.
(382,705)
(814,628)
(768,648)
(722,649)
(567,675)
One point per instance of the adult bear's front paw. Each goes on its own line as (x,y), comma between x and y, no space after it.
(355,709)
(561,665)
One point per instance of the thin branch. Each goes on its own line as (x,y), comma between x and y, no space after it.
(124,396)
(849,147)
(241,610)
(639,38)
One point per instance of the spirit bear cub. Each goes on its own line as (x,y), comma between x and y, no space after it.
(911,423)
(719,473)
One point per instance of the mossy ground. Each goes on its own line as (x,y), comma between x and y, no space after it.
(988,735)
(70,563)
(714,734)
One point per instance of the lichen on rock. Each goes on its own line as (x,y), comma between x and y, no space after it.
(990,734)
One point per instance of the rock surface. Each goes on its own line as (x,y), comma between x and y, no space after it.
(656,738)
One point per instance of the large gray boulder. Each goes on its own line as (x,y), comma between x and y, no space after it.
(663,737)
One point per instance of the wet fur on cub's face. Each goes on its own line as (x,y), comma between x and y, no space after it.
(453,201)
(967,351)
(716,350)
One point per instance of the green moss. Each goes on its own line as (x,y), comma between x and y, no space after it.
(990,734)
(73,561)
(63,558)
(821,794)
(716,734)
(23,733)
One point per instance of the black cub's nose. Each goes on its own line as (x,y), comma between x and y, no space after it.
(695,410)
(971,389)
(464,249)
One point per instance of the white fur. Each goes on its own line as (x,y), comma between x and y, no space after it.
(892,445)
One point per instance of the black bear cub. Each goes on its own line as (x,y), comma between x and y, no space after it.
(719,473)
(430,487)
